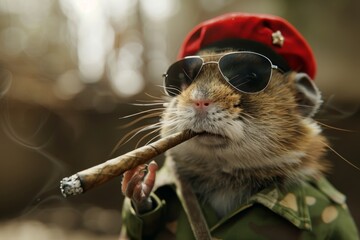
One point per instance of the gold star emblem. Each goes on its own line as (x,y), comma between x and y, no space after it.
(277,38)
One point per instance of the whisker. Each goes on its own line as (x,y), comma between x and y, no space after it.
(335,128)
(152,139)
(158,135)
(172,125)
(150,115)
(160,86)
(173,89)
(125,139)
(170,128)
(151,101)
(142,112)
(163,92)
(147,104)
(339,155)
(146,135)
(154,97)
(171,119)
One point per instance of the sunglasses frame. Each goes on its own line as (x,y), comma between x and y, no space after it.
(272,66)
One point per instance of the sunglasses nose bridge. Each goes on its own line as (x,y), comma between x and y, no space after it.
(204,64)
(210,62)
(214,62)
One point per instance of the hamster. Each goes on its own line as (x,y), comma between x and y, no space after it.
(248,141)
(257,168)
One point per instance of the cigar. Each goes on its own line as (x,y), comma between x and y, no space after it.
(99,174)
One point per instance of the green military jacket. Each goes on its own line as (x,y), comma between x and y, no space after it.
(313,210)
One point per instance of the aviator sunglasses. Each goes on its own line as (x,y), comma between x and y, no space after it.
(247,72)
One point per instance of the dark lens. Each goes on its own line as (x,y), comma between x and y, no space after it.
(248,72)
(180,74)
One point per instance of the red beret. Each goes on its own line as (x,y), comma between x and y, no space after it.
(272,36)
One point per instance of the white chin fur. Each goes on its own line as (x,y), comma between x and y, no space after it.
(229,156)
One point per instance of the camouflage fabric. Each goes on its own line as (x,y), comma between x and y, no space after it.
(313,210)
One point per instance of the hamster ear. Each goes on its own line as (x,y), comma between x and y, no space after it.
(308,96)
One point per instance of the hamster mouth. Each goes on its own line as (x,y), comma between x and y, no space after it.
(210,134)
(211,139)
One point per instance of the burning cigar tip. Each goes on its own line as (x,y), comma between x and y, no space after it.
(71,186)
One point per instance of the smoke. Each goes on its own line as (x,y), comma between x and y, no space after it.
(5,82)
(36,140)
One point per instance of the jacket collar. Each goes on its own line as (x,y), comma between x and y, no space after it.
(289,204)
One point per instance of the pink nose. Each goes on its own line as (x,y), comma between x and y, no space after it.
(202,104)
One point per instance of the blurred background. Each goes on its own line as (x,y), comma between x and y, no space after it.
(71,69)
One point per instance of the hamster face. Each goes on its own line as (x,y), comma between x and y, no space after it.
(240,130)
